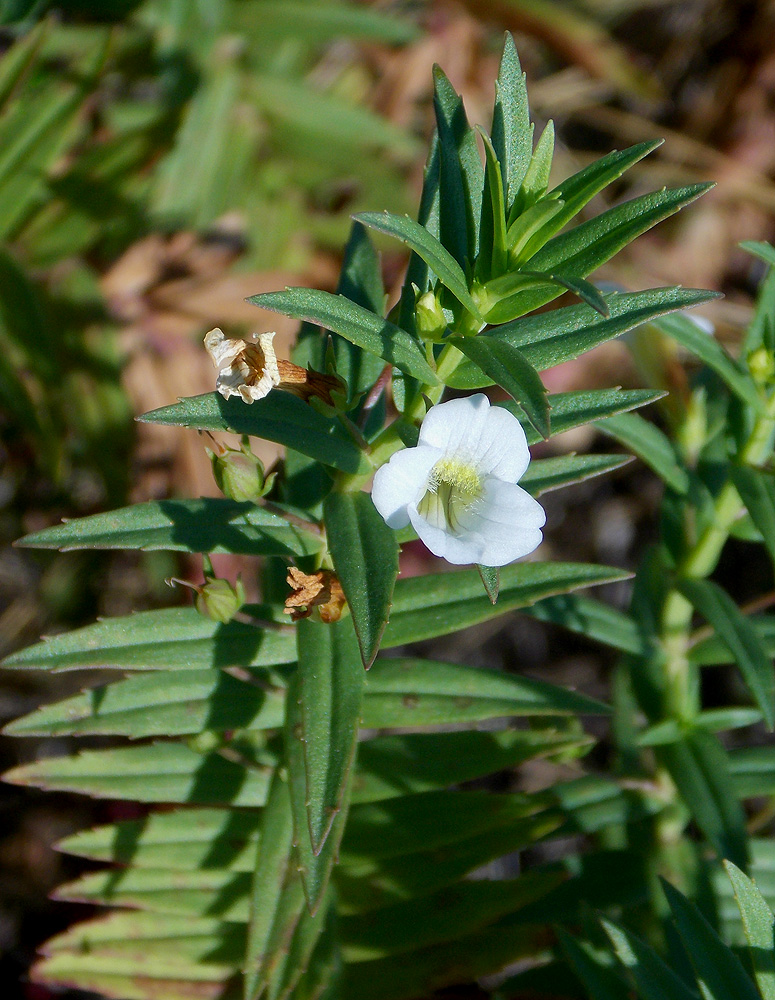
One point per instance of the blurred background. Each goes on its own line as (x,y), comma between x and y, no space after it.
(162,160)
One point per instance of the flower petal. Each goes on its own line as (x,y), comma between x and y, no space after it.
(506,523)
(401,482)
(488,437)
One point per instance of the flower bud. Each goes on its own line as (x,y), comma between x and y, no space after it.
(429,317)
(240,475)
(219,599)
(761,364)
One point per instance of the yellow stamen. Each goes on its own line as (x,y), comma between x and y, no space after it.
(452,487)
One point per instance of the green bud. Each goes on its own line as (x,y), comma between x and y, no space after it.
(429,317)
(219,599)
(761,364)
(240,475)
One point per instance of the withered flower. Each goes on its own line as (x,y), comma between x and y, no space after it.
(252,370)
(320,590)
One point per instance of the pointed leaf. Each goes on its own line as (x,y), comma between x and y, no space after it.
(360,326)
(491,580)
(650,444)
(492,231)
(592,969)
(585,290)
(719,972)
(591,618)
(654,979)
(330,681)
(209,524)
(759,925)
(757,491)
(365,554)
(750,654)
(438,259)
(509,368)
(545,474)
(512,133)
(279,417)
(700,768)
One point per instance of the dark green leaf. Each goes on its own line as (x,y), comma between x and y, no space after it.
(757,491)
(719,972)
(330,686)
(206,525)
(491,580)
(512,133)
(654,979)
(593,969)
(749,652)
(650,444)
(509,368)
(279,417)
(365,554)
(759,926)
(586,616)
(545,474)
(418,239)
(699,766)
(360,326)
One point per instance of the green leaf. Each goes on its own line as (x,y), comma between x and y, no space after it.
(749,653)
(512,133)
(593,971)
(757,491)
(719,972)
(360,326)
(578,190)
(753,771)
(654,979)
(549,338)
(650,444)
(509,368)
(319,22)
(424,762)
(330,683)
(715,720)
(424,607)
(699,766)
(545,474)
(591,618)
(265,931)
(365,554)
(279,417)
(172,703)
(315,868)
(418,239)
(759,925)
(403,692)
(536,179)
(585,290)
(461,176)
(704,346)
(761,250)
(492,231)
(171,639)
(491,581)
(153,772)
(584,248)
(360,281)
(206,525)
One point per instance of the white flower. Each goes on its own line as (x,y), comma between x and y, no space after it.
(244,369)
(458,488)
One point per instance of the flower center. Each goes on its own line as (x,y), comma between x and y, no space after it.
(453,486)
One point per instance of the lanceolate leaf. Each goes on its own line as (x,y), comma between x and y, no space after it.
(649,444)
(591,618)
(599,979)
(549,338)
(512,133)
(330,686)
(757,491)
(492,234)
(269,883)
(709,350)
(279,417)
(206,525)
(365,555)
(509,368)
(491,580)
(417,238)
(361,326)
(719,972)
(461,176)
(654,979)
(750,654)
(585,290)
(170,639)
(759,926)
(699,766)
(545,474)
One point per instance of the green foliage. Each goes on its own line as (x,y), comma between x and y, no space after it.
(315,829)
